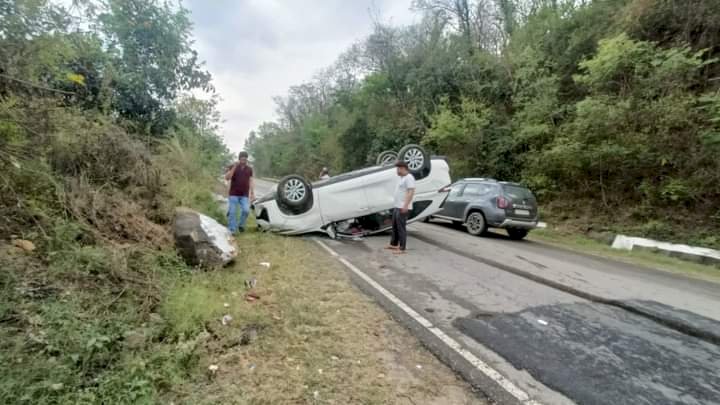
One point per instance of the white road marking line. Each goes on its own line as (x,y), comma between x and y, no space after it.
(483,367)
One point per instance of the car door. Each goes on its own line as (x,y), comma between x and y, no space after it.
(474,194)
(454,205)
(343,200)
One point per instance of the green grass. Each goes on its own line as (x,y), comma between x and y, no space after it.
(77,323)
(644,258)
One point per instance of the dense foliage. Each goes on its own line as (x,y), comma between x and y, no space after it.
(608,109)
(98,143)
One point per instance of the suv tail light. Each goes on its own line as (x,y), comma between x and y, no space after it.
(502,202)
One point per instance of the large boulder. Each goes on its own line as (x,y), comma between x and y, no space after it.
(201,240)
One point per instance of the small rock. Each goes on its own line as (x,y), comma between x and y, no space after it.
(542,322)
(419,367)
(57,386)
(381,375)
(319,371)
(334,358)
(316,394)
(213,368)
(265,264)
(251,367)
(23,244)
(226,305)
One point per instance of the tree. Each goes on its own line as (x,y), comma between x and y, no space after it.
(152,58)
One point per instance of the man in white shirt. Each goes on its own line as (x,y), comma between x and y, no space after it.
(404,193)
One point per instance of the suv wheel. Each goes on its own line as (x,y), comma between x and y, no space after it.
(387,158)
(417,159)
(517,234)
(476,223)
(295,193)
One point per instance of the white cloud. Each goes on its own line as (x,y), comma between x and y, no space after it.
(257,49)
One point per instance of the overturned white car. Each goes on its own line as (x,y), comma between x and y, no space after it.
(356,203)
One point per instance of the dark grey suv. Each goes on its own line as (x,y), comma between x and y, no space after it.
(481,203)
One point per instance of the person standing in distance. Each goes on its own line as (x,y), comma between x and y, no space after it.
(324,173)
(404,193)
(242,191)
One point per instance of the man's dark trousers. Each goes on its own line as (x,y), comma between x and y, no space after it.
(399,229)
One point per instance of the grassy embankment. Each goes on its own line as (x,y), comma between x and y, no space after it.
(578,242)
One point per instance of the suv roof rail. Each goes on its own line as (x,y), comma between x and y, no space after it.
(511,183)
(478,179)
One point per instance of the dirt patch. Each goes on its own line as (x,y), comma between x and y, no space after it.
(112,215)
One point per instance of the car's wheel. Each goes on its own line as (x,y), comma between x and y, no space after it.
(476,223)
(387,158)
(295,192)
(417,159)
(517,234)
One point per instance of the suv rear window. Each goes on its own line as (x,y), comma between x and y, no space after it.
(517,192)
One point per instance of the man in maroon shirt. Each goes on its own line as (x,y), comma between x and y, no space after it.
(242,191)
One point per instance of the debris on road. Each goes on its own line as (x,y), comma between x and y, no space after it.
(226,320)
(23,244)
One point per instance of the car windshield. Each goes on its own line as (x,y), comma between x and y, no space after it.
(517,192)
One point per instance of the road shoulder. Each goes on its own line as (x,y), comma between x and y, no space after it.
(316,339)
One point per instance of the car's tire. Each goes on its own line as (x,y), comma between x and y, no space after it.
(295,192)
(476,224)
(517,234)
(417,159)
(387,158)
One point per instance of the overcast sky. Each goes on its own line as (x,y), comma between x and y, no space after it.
(257,49)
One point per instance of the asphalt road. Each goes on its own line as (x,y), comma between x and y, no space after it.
(564,327)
